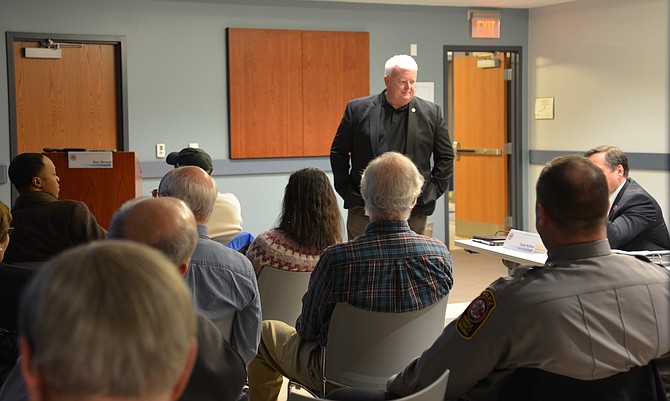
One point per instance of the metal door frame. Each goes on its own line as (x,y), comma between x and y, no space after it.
(514,125)
(119,43)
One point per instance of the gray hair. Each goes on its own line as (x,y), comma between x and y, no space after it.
(390,185)
(111,318)
(167,225)
(192,185)
(402,61)
(613,157)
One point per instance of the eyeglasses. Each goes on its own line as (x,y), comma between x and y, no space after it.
(156,194)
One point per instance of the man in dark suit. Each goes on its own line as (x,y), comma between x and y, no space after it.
(393,120)
(43,225)
(635,220)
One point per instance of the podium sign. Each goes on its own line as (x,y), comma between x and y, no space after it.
(90,160)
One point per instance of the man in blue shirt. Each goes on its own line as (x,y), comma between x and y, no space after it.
(388,269)
(222,280)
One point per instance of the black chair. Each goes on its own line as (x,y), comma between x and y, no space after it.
(641,383)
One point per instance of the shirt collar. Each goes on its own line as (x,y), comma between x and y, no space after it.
(578,251)
(385,103)
(616,192)
(386,227)
(203,232)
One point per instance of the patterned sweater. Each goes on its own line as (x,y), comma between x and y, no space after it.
(276,249)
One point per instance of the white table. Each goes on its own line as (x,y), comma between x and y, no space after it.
(522,258)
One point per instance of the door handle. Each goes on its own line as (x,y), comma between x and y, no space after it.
(485,152)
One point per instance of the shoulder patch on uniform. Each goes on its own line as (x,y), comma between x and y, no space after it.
(476,314)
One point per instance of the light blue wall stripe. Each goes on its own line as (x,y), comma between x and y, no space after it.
(225,167)
(638,161)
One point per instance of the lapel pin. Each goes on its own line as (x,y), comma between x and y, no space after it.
(413,110)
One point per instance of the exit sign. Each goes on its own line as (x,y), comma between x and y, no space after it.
(484,24)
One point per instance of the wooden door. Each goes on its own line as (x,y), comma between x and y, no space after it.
(480,131)
(69,102)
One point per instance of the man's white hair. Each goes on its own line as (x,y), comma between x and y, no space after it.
(402,61)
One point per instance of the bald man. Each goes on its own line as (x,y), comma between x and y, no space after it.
(222,280)
(168,225)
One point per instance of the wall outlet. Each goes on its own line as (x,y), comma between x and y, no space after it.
(160,150)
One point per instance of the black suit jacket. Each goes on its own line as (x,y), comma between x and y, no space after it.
(356,143)
(45,226)
(635,221)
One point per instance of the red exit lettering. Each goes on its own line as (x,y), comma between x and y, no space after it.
(485,28)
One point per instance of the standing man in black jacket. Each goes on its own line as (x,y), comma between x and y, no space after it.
(393,120)
(635,220)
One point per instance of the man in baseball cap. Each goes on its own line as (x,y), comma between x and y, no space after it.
(191,157)
(225,224)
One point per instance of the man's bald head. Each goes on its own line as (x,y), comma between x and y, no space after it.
(164,223)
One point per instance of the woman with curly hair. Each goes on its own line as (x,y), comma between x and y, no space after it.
(308,223)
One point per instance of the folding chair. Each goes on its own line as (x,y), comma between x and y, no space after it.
(435,392)
(225,326)
(281,293)
(365,348)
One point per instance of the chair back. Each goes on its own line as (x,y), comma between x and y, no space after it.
(365,348)
(281,293)
(435,392)
(225,326)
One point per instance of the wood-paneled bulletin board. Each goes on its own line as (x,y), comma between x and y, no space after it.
(287,89)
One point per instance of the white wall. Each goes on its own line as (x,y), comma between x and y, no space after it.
(606,63)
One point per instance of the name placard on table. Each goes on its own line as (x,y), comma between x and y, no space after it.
(90,160)
(522,241)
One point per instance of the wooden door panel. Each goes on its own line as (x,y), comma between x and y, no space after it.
(67,102)
(288,89)
(265,100)
(480,122)
(325,55)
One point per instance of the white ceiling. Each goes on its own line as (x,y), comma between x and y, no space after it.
(462,3)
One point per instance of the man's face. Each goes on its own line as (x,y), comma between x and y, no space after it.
(49,179)
(400,87)
(615,177)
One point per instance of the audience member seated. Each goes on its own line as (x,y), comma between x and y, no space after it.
(167,224)
(309,222)
(388,269)
(635,220)
(43,225)
(226,220)
(587,314)
(110,320)
(222,280)
(12,281)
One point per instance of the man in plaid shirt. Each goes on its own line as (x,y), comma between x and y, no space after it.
(388,269)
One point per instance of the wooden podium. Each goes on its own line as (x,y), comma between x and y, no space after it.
(102,189)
